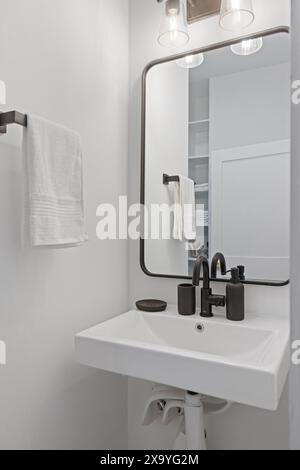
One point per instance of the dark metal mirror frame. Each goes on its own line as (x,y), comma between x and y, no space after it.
(269,32)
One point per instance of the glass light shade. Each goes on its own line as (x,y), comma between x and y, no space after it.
(174,31)
(247,47)
(191,61)
(236,14)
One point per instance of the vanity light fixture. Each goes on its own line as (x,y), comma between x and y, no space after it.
(236,14)
(174,31)
(247,47)
(190,61)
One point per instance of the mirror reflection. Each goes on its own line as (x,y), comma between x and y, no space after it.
(221,120)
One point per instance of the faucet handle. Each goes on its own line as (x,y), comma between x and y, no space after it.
(217,300)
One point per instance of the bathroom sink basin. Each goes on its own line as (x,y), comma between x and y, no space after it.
(244,362)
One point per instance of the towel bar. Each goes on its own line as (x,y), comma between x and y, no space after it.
(12,117)
(170,179)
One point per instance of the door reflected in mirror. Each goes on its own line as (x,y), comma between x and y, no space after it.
(223,122)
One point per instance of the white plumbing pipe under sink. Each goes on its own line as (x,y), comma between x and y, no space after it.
(167,403)
(194,422)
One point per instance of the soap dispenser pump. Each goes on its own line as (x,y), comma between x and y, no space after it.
(235,297)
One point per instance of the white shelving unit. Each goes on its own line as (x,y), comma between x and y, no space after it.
(198,157)
(199,170)
(201,122)
(200,190)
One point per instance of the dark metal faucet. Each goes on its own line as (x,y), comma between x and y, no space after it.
(218,258)
(208,300)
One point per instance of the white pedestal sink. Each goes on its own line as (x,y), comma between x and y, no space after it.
(244,362)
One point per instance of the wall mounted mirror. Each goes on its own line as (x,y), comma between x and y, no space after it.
(222,118)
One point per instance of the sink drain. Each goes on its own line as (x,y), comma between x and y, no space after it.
(200,327)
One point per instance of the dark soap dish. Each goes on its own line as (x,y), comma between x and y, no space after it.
(151,305)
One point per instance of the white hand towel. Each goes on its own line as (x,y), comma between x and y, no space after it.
(54,215)
(185,210)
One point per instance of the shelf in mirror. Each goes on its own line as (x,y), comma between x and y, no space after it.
(201,189)
(199,147)
(200,122)
(199,157)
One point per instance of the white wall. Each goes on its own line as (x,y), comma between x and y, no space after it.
(167,113)
(66,60)
(255,102)
(295,267)
(242,427)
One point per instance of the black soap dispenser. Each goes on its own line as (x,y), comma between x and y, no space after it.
(235,297)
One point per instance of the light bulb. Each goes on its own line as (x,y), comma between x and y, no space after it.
(191,61)
(174,32)
(236,14)
(247,47)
